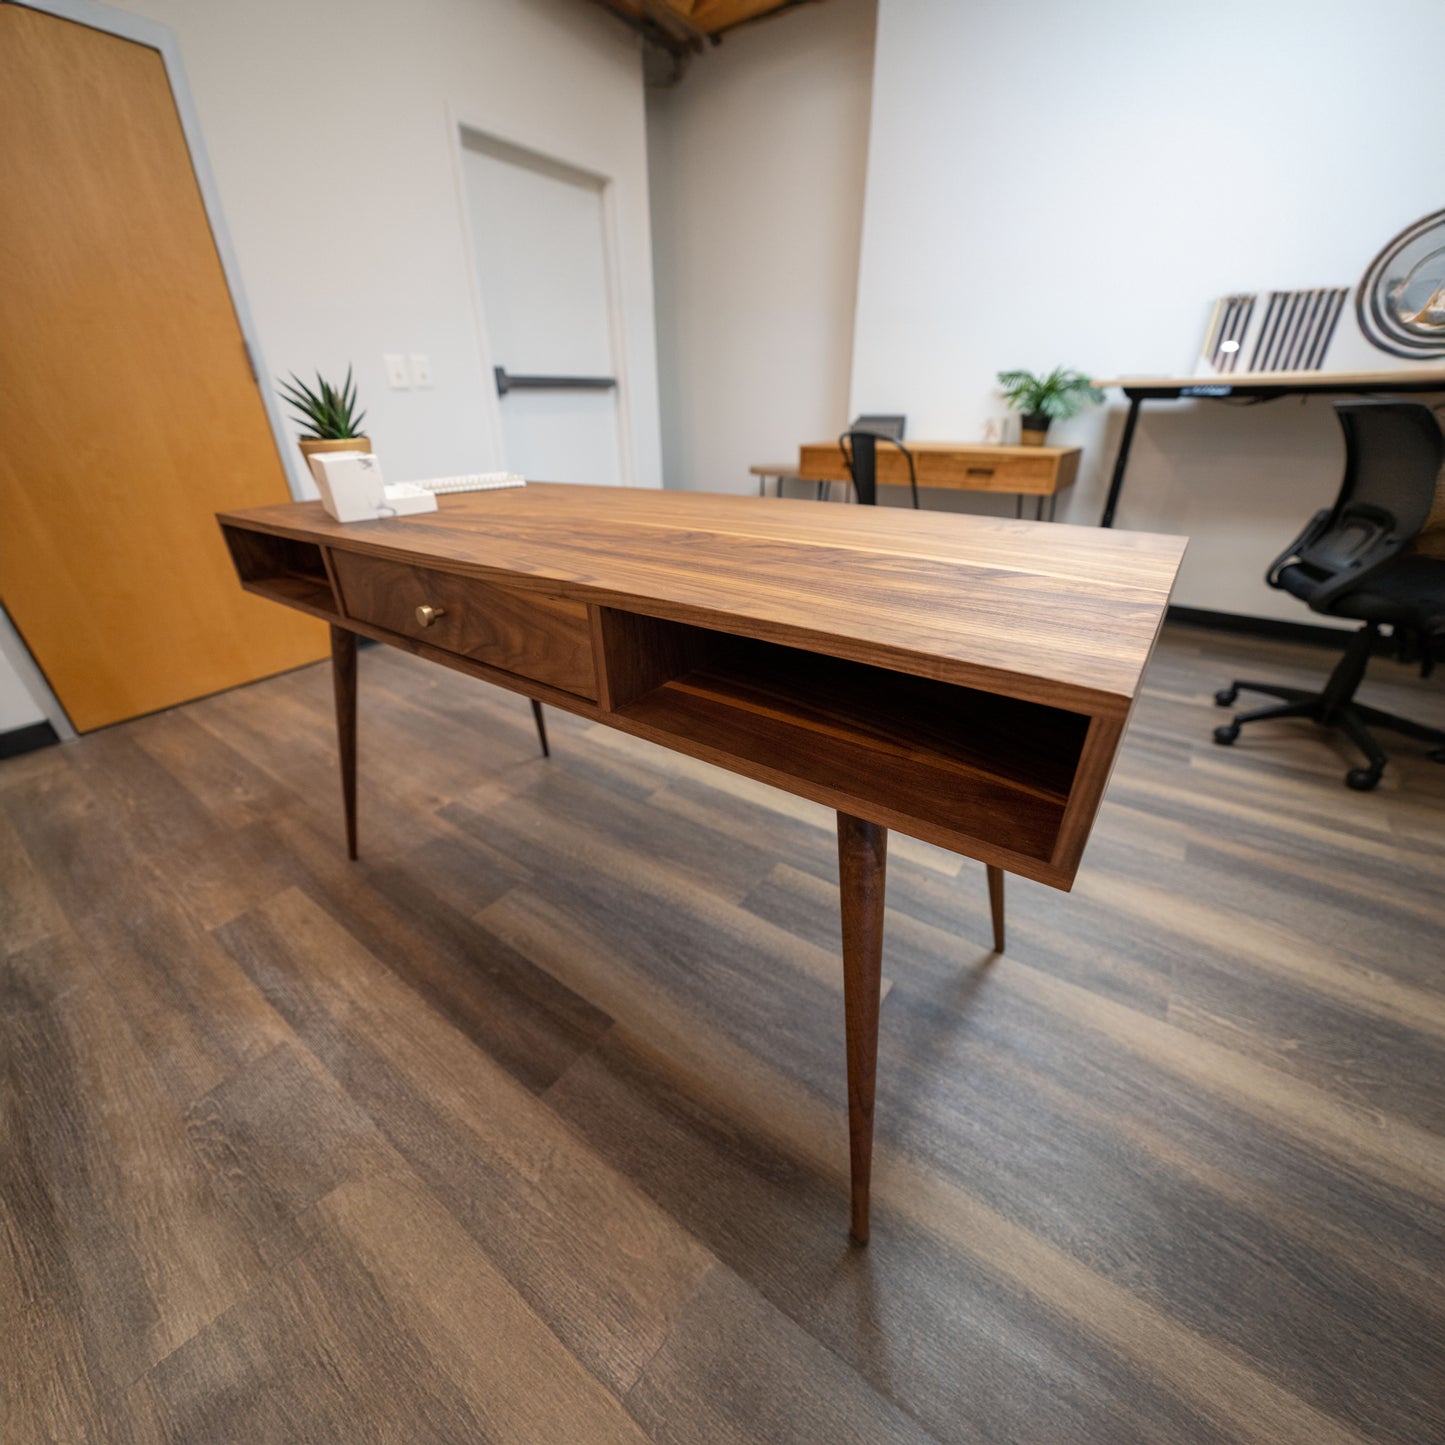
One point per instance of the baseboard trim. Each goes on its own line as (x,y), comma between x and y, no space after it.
(27,739)
(1332,637)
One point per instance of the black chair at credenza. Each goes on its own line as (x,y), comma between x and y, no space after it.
(859,445)
(1359,559)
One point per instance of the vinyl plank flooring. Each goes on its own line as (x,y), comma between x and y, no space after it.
(193,1012)
(390,1325)
(109,1203)
(525,1018)
(966,1350)
(603,1265)
(28,910)
(530,1126)
(735,1370)
(277,1136)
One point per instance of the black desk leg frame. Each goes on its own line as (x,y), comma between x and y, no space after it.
(1121,462)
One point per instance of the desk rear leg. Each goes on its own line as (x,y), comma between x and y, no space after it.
(862,874)
(995,904)
(343,679)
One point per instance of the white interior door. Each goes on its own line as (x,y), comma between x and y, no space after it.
(543,268)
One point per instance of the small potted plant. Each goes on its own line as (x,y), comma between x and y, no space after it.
(1042,399)
(327,416)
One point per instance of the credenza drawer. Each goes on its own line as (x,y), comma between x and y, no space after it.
(546,639)
(987,471)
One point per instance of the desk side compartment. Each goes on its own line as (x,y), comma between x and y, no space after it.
(283,569)
(985,775)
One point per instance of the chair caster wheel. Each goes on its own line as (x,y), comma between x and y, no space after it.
(1225,696)
(1362,780)
(1226,734)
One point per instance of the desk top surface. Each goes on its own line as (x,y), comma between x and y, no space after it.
(1415,376)
(1044,611)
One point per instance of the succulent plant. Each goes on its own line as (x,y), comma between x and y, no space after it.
(329,412)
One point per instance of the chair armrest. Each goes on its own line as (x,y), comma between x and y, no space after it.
(1314,529)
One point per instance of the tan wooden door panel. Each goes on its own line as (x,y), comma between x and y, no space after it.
(128,412)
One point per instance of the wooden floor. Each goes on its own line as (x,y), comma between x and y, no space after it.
(530,1126)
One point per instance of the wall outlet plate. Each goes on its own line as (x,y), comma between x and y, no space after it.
(397,375)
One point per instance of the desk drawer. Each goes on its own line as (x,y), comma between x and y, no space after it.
(530,634)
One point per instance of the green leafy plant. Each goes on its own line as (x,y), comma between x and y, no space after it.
(329,412)
(1059,395)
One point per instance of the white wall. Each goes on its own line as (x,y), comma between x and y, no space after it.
(327,126)
(757,178)
(18,707)
(1076,183)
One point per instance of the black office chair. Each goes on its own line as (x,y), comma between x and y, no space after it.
(859,446)
(1358,559)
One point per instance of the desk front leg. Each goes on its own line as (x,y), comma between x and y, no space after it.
(862,872)
(343,679)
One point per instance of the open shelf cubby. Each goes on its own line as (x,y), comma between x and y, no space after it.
(283,569)
(953,758)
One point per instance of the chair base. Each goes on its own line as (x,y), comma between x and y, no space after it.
(1334,707)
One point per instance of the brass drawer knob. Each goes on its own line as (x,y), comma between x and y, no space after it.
(427,615)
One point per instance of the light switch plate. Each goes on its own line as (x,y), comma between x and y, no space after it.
(420,369)
(397,376)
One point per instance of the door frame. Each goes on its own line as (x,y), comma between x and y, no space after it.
(161,39)
(459,126)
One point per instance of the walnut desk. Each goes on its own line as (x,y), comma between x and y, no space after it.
(963,679)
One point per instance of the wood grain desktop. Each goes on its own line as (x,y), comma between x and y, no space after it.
(964,680)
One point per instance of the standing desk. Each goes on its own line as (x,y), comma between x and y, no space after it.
(965,680)
(1038,472)
(1252,386)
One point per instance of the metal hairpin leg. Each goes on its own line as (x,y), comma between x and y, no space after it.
(1019,506)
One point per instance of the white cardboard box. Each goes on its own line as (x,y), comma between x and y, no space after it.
(353,490)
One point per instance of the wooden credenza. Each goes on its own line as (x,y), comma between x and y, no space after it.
(954,466)
(965,680)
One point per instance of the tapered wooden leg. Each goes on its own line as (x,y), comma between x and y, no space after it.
(995,903)
(343,678)
(541,727)
(862,870)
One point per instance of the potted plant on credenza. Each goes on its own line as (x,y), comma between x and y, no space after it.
(327,416)
(1040,400)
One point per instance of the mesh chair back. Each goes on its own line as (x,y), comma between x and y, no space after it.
(1431,541)
(1393,456)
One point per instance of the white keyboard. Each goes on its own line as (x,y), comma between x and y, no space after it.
(472,482)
